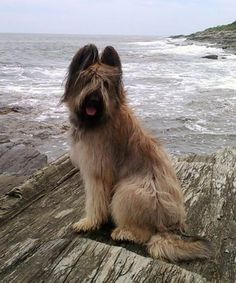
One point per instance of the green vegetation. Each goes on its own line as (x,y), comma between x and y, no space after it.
(228,27)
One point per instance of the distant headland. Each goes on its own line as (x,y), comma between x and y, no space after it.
(222,35)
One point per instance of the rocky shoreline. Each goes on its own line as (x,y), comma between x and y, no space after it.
(26,144)
(221,36)
(17,162)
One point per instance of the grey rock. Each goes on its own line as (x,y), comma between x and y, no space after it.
(214,57)
(177,36)
(42,247)
(20,159)
(224,39)
(41,134)
(48,137)
(7,182)
(4,139)
(14,108)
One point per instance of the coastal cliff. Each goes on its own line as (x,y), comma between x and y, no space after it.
(38,245)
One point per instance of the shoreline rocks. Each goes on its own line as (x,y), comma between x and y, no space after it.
(212,57)
(20,125)
(222,36)
(20,159)
(17,162)
(4,110)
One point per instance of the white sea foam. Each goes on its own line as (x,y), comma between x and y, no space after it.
(147,43)
(193,49)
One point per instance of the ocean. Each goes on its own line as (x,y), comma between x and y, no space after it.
(185,100)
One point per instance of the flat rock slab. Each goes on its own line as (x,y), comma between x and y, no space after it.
(38,245)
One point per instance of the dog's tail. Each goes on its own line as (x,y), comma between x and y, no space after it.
(175,248)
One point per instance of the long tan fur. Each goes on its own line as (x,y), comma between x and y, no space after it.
(127,173)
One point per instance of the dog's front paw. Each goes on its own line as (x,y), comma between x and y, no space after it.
(85,225)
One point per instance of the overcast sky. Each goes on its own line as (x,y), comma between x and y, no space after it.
(150,17)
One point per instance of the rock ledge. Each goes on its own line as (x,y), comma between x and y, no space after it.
(37,244)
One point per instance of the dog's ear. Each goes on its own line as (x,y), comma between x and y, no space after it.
(84,58)
(110,57)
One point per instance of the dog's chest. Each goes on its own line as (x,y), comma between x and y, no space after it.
(94,158)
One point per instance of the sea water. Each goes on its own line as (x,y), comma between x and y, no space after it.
(187,101)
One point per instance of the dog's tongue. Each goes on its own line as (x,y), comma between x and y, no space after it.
(91,111)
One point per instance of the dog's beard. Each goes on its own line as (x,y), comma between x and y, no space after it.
(91,113)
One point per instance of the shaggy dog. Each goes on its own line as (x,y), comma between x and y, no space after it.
(126,171)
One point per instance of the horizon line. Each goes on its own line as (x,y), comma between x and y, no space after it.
(90,34)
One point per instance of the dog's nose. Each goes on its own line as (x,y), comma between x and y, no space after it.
(94,96)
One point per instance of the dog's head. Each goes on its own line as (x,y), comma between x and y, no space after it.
(94,89)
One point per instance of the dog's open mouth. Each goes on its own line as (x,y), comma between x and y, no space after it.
(93,105)
(92,110)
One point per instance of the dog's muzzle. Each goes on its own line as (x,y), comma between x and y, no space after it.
(92,105)
(91,112)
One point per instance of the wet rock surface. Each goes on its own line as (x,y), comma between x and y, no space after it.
(212,57)
(13,108)
(19,125)
(27,144)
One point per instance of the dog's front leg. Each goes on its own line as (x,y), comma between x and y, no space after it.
(97,203)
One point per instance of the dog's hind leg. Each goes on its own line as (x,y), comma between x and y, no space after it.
(133,211)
